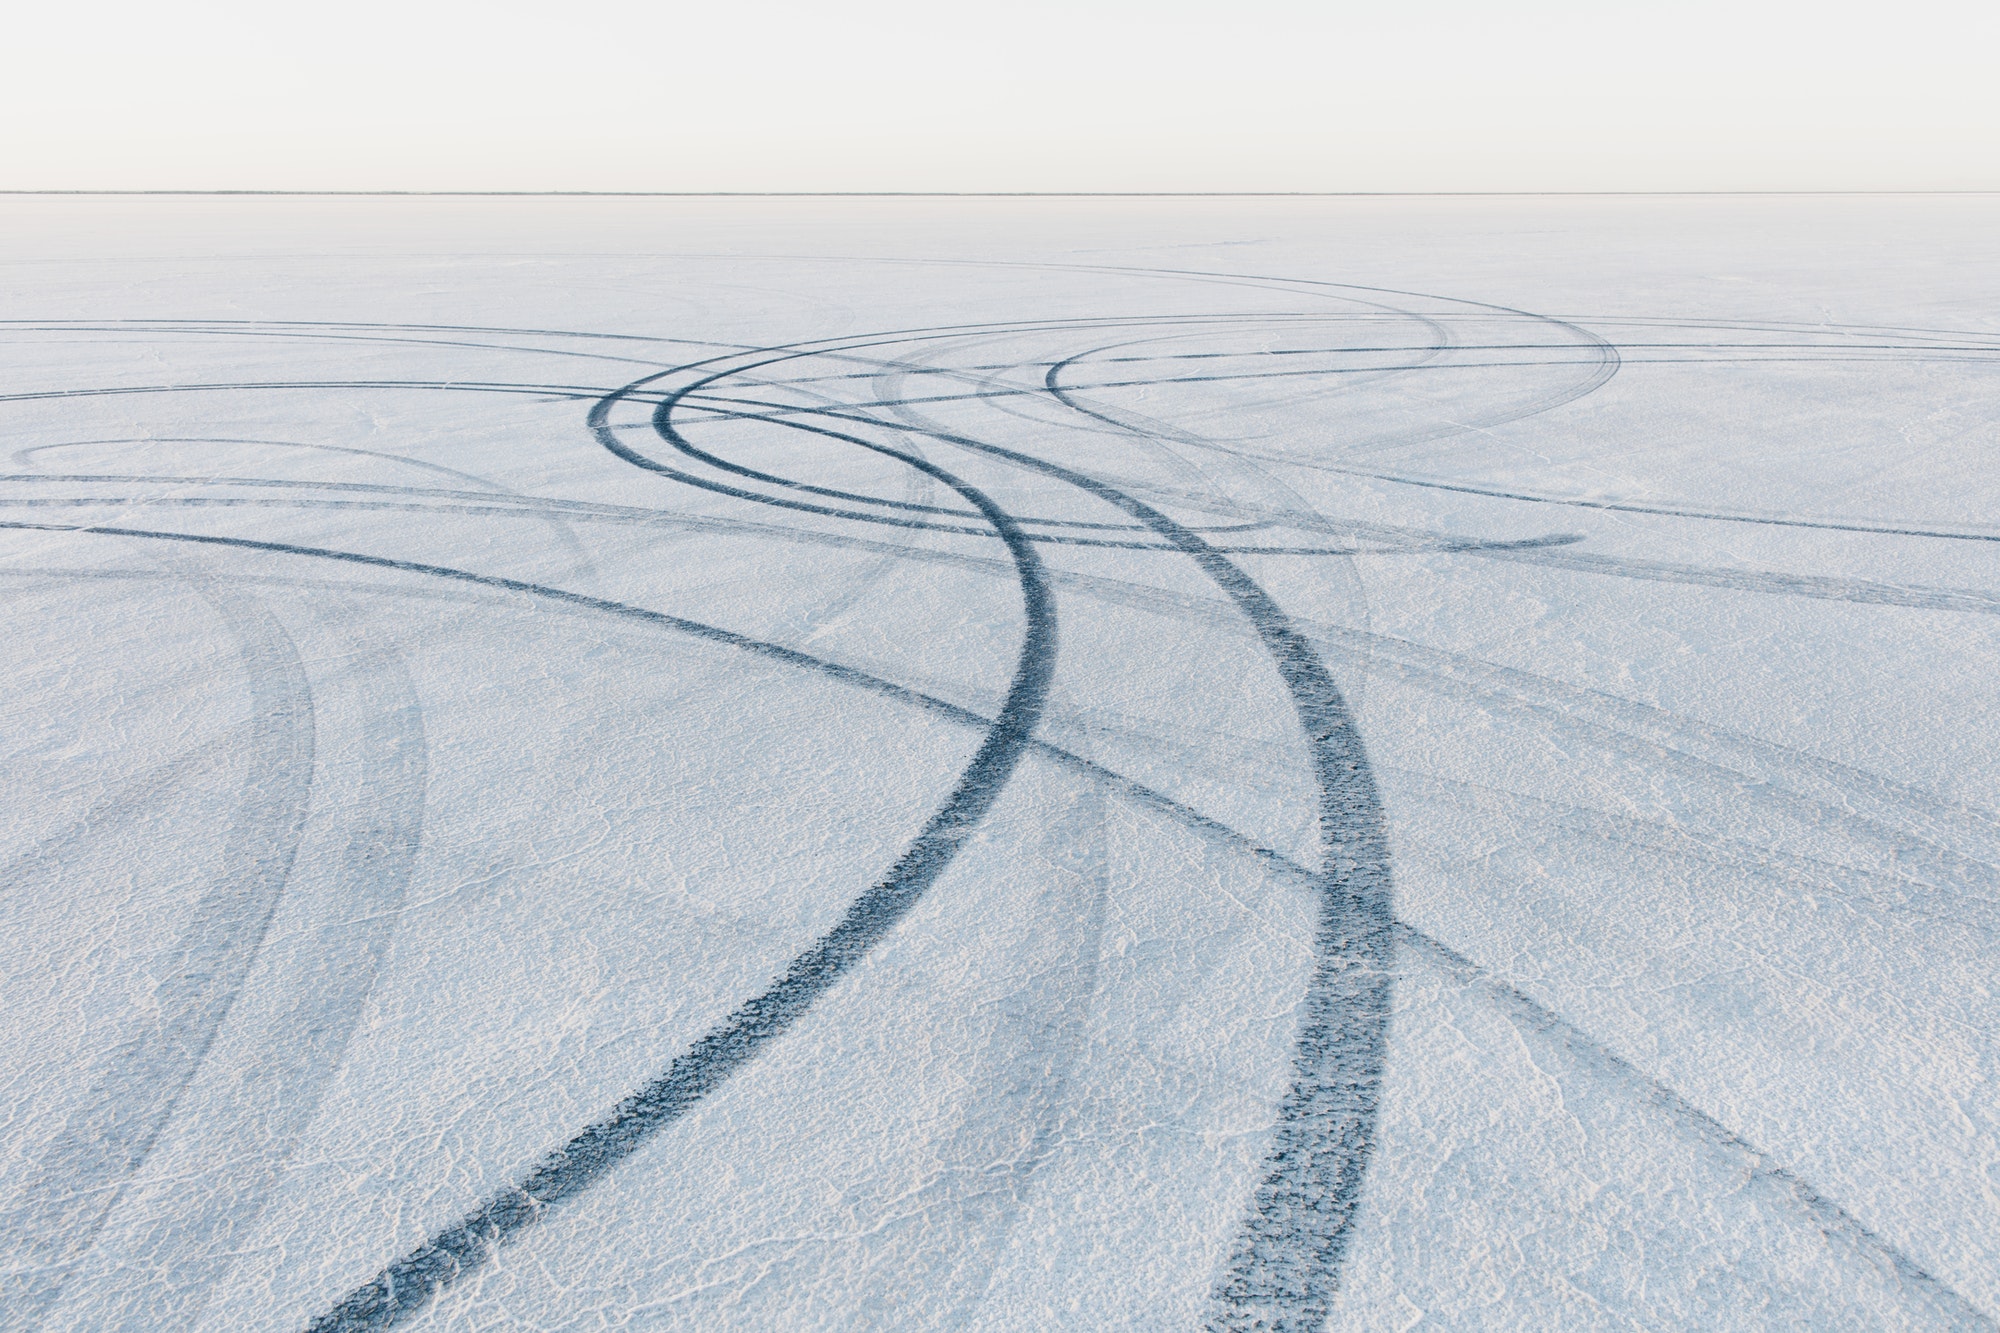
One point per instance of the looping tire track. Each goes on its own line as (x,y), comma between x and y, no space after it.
(1284,1268)
(1256,1291)
(1283,1272)
(172,1253)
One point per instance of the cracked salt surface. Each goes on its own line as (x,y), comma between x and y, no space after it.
(623,763)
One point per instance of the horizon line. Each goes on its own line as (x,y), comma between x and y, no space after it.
(983,194)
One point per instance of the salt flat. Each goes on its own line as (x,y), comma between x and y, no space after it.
(1000,763)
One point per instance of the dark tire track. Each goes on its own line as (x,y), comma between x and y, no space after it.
(539,512)
(581,564)
(1798,585)
(1246,1297)
(1285,1265)
(408,1284)
(1528,1013)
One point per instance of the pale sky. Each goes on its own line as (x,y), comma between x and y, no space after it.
(896,95)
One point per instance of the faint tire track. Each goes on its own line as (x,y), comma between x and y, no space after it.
(81,1176)
(1827,786)
(183,1235)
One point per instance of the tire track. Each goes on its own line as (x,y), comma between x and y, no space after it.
(1841,786)
(1762,1173)
(1884,527)
(181,1236)
(1528,1013)
(1239,1290)
(537,512)
(82,1175)
(1605,356)
(581,564)
(410,1282)
(1284,1267)
(1657,571)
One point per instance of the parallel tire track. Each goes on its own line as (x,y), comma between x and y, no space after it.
(410,1282)
(80,1177)
(1283,1271)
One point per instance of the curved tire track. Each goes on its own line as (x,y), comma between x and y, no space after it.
(180,1239)
(409,1283)
(1530,1015)
(83,1173)
(1285,1264)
